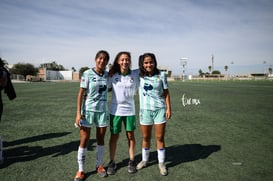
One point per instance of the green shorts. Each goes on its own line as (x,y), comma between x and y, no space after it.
(149,117)
(100,119)
(116,122)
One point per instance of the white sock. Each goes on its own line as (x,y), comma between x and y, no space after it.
(100,152)
(81,158)
(161,155)
(145,154)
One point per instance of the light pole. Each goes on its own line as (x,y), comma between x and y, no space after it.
(231,63)
(212,62)
(183,64)
(270,70)
(264,62)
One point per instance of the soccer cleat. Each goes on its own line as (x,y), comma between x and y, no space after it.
(162,169)
(132,166)
(79,176)
(141,165)
(101,171)
(111,170)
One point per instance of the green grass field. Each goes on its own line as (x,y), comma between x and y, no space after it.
(220,130)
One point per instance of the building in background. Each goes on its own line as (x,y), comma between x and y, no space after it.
(50,75)
(166,70)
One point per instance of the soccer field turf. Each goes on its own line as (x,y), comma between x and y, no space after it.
(220,130)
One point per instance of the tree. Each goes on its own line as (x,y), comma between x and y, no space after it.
(24,69)
(226,67)
(73,69)
(52,66)
(210,68)
(201,73)
(216,72)
(3,62)
(270,70)
(82,70)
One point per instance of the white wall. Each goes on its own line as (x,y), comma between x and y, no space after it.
(58,75)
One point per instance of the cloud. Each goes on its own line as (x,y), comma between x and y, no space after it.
(70,32)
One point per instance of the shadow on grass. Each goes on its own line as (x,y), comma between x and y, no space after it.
(179,154)
(176,155)
(35,138)
(27,153)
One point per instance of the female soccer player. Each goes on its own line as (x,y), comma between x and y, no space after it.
(92,110)
(155,108)
(123,82)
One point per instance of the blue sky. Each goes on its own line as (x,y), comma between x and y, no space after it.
(70,32)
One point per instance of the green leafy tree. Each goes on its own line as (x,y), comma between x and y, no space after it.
(52,66)
(226,68)
(216,72)
(201,73)
(73,69)
(209,67)
(24,69)
(270,70)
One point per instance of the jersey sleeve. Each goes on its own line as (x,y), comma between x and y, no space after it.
(164,80)
(84,80)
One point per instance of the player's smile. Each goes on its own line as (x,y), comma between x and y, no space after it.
(124,63)
(148,65)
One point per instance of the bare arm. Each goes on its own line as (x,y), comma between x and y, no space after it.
(168,104)
(80,98)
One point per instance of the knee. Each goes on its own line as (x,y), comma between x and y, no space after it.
(131,137)
(160,138)
(146,138)
(114,138)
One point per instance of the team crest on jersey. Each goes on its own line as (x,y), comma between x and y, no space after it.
(147,87)
(102,88)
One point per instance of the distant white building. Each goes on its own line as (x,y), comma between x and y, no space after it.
(166,70)
(59,75)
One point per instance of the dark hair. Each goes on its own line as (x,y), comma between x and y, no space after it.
(105,53)
(2,62)
(142,71)
(115,67)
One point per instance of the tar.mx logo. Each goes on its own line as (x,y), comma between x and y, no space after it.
(189,101)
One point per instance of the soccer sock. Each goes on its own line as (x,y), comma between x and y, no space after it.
(81,158)
(161,155)
(100,152)
(145,154)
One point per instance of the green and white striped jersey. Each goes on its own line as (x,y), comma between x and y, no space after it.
(96,91)
(151,91)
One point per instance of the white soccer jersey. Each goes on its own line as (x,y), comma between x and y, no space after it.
(96,91)
(123,91)
(151,91)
